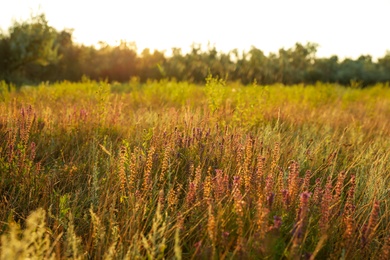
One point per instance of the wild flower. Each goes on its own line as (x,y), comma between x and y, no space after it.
(172,198)
(339,186)
(207,187)
(221,183)
(270,195)
(259,171)
(239,209)
(247,171)
(277,223)
(133,176)
(325,205)
(211,226)
(261,219)
(349,210)
(370,227)
(301,219)
(25,123)
(165,162)
(293,181)
(122,168)
(147,182)
(317,192)
(161,198)
(306,181)
(187,182)
(275,156)
(191,194)
(385,252)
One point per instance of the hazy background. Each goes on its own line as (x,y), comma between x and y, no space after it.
(345,28)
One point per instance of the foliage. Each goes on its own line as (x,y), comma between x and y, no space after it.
(95,170)
(30,43)
(33,52)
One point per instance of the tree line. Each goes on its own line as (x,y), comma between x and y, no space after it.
(31,51)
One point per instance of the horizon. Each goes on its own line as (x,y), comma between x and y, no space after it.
(177,24)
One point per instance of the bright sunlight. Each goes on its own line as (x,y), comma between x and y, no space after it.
(344,28)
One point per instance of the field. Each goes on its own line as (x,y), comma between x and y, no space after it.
(172,170)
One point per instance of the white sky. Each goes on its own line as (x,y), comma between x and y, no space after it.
(347,28)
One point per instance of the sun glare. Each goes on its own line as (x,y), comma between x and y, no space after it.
(347,28)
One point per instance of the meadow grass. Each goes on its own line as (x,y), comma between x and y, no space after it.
(172,170)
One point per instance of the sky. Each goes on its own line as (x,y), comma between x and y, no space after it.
(347,28)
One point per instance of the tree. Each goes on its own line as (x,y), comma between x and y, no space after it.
(294,62)
(30,42)
(384,67)
(5,54)
(176,65)
(151,65)
(323,70)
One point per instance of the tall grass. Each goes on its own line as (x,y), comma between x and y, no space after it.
(172,170)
